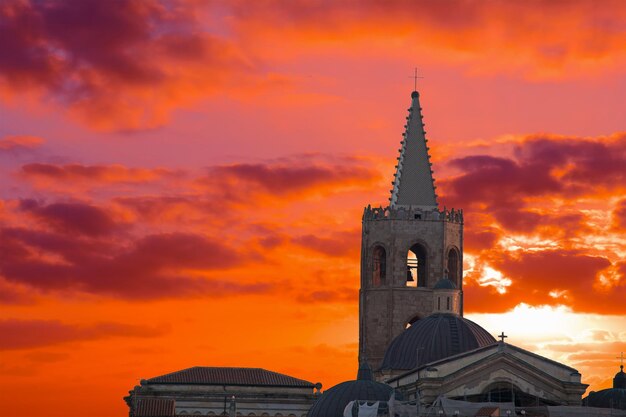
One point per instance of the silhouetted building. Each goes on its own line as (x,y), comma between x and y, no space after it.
(611,397)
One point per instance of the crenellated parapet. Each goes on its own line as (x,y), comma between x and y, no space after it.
(412,213)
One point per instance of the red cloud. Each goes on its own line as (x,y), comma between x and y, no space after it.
(71,218)
(542,167)
(27,334)
(156,55)
(19,143)
(337,244)
(155,266)
(488,37)
(535,274)
(619,216)
(92,173)
(238,181)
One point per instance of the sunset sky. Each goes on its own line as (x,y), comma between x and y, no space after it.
(182,182)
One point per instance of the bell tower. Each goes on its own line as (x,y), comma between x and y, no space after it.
(411,252)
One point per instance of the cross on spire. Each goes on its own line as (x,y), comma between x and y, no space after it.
(415,78)
(502,337)
(621,358)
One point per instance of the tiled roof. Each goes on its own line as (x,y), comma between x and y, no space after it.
(487,412)
(413,184)
(204,375)
(155,407)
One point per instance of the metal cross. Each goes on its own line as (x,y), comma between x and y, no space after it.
(502,336)
(415,77)
(621,358)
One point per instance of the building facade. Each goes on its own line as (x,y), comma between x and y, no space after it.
(222,391)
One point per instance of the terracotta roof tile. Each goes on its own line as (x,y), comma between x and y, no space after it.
(155,407)
(229,376)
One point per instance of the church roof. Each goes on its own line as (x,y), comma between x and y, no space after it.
(620,379)
(444,284)
(413,184)
(435,337)
(607,398)
(612,397)
(203,375)
(334,400)
(155,407)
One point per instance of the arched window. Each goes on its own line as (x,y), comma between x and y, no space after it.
(416,266)
(448,304)
(379,266)
(454,272)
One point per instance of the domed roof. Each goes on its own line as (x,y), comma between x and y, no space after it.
(612,397)
(334,400)
(607,398)
(444,284)
(620,379)
(437,336)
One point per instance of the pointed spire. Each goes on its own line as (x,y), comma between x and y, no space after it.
(413,184)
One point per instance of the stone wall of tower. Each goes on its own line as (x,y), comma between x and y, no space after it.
(388,305)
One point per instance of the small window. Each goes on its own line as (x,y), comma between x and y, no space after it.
(448,304)
(454,267)
(379,266)
(438,303)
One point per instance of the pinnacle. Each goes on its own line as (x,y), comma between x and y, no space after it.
(413,184)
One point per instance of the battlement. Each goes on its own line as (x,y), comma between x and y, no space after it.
(413,213)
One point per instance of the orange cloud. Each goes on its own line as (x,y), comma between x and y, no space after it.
(27,334)
(500,37)
(19,143)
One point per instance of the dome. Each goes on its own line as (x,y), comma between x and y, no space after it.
(444,284)
(610,398)
(334,400)
(607,398)
(620,379)
(437,336)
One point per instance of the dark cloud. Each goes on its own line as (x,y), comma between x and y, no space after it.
(154,266)
(286,178)
(75,51)
(92,173)
(28,334)
(71,218)
(541,168)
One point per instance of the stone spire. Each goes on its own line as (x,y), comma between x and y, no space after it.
(413,184)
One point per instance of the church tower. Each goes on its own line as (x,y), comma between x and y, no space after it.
(411,252)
